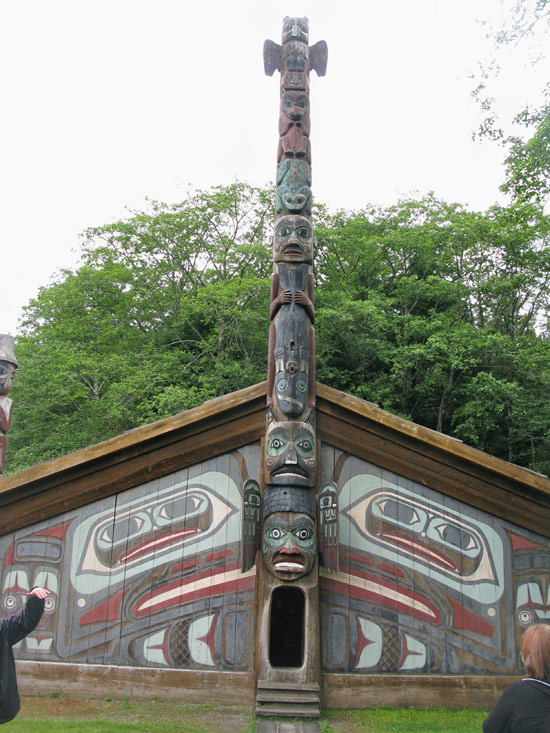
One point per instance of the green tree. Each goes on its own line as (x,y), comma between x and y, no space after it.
(423,306)
(431,311)
(166,311)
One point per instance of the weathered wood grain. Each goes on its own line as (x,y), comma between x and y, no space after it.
(356,691)
(348,423)
(89,681)
(341,691)
(131,459)
(443,463)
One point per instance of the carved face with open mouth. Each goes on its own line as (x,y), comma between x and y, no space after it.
(289,545)
(290,455)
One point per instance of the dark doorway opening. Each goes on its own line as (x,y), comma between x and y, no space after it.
(286,628)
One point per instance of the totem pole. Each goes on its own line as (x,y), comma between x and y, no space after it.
(286,529)
(8,366)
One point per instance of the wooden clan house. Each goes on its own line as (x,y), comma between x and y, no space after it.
(288,545)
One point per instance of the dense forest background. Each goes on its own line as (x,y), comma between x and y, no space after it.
(434,312)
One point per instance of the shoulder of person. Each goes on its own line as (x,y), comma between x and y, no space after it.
(539,684)
(514,688)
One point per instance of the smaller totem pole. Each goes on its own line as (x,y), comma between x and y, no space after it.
(8,366)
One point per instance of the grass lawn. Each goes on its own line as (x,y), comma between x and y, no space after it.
(405,721)
(57,715)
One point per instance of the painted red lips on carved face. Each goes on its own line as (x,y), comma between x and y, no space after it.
(289,545)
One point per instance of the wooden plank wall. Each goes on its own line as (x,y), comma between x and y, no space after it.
(341,692)
(444,557)
(426,583)
(150,576)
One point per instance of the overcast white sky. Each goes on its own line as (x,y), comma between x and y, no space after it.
(106,102)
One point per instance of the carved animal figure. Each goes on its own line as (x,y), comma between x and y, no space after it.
(294,110)
(295,29)
(293,181)
(291,378)
(294,145)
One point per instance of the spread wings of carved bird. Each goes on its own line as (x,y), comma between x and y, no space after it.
(274,57)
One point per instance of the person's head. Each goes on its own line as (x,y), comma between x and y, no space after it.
(535,650)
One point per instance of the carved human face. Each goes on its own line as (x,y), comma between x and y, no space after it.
(7,375)
(295,105)
(290,455)
(293,239)
(289,546)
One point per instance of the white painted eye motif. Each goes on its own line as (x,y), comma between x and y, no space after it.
(525,617)
(399,512)
(119,531)
(186,507)
(451,535)
(10,602)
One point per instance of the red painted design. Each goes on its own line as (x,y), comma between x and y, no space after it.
(39,638)
(213,557)
(420,549)
(407,603)
(362,641)
(390,569)
(16,589)
(405,651)
(468,620)
(357,557)
(58,531)
(107,610)
(9,556)
(164,647)
(157,543)
(208,638)
(217,586)
(534,604)
(522,543)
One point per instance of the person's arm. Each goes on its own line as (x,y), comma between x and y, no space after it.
(21,625)
(499,720)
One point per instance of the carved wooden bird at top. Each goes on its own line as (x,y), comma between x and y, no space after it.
(294,50)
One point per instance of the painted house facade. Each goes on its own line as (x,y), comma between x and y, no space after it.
(440,558)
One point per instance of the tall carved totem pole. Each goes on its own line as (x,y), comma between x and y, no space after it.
(288,618)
